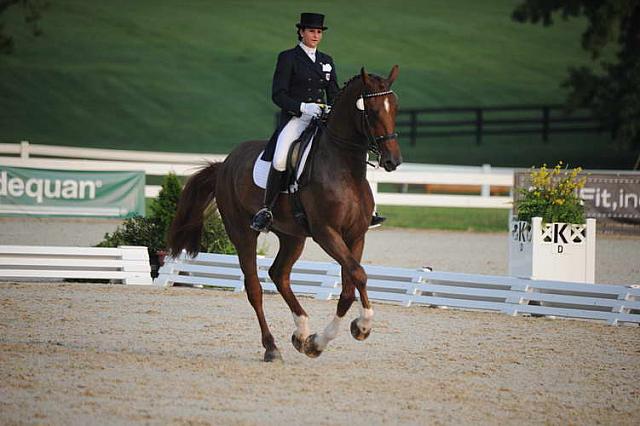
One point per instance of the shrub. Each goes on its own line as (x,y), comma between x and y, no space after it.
(214,236)
(151,231)
(553,196)
(136,231)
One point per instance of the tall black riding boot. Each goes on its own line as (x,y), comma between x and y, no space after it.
(262,220)
(376,220)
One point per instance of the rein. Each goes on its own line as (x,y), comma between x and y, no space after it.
(346,143)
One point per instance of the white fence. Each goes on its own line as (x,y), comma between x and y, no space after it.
(614,304)
(127,264)
(25,154)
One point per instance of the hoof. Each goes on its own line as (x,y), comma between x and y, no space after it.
(311,348)
(356,333)
(297,343)
(273,356)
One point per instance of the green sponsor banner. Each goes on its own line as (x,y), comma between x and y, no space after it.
(40,192)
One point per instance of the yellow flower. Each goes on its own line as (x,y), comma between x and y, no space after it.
(556,186)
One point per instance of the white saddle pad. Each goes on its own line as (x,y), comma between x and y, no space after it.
(261,169)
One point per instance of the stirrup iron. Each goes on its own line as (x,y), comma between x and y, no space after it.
(262,220)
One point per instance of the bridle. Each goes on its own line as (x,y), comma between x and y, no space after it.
(374,141)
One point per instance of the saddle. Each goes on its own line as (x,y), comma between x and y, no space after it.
(297,171)
(299,152)
(297,174)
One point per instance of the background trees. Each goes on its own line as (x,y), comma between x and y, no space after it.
(612,37)
(32,14)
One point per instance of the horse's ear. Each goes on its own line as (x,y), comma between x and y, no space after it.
(365,76)
(393,74)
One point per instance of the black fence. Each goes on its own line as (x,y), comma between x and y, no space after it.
(544,120)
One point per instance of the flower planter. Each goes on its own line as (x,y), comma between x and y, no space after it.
(553,251)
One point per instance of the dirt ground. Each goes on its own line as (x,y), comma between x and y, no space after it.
(113,354)
(110,354)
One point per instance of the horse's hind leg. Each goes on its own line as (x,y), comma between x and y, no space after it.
(280,272)
(246,243)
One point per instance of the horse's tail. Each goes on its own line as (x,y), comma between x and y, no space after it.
(186,229)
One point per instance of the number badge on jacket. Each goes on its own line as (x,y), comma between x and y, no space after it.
(326,68)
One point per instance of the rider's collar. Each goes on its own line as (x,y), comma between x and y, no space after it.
(310,51)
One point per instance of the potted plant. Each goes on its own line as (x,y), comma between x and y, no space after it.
(549,236)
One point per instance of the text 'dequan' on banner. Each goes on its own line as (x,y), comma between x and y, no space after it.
(42,192)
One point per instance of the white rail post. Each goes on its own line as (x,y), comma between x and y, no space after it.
(136,265)
(24,149)
(486,187)
(590,272)
(165,271)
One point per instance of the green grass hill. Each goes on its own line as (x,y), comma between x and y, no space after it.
(195,76)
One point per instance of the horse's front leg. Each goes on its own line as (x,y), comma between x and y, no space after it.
(316,343)
(361,326)
(353,276)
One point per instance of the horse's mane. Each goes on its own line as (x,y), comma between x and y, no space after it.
(344,88)
(348,82)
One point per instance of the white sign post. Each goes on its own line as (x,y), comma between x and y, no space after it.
(553,251)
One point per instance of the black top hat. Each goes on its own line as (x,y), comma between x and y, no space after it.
(311,20)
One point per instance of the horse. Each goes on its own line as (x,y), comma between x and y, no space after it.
(337,200)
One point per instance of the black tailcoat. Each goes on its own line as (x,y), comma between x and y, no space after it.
(298,79)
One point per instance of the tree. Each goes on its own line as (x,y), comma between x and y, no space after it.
(613,91)
(32,10)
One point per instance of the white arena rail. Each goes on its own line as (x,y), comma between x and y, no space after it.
(28,150)
(423,174)
(614,304)
(25,154)
(127,264)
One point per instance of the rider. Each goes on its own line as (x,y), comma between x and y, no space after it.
(302,77)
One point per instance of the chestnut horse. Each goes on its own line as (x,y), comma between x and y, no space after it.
(337,200)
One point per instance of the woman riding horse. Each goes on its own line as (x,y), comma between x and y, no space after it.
(335,196)
(302,77)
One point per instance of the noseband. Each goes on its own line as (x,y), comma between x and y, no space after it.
(374,141)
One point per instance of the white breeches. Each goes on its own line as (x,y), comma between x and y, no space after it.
(291,131)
